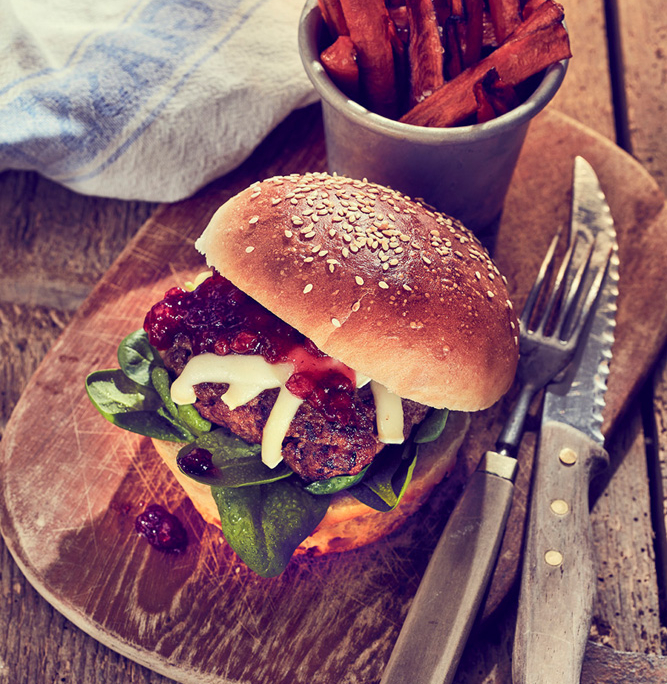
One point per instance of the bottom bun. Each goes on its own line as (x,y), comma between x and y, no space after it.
(349,524)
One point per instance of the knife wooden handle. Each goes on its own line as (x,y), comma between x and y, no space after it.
(558,578)
(430,644)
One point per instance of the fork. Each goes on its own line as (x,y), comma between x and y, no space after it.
(547,346)
(442,613)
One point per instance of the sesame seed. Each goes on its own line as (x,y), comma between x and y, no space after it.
(426,260)
(345,252)
(407,287)
(478,275)
(335,322)
(253,220)
(359,280)
(491,295)
(288,233)
(249,249)
(356,306)
(383,285)
(308,288)
(323,252)
(297,220)
(309,234)
(307,260)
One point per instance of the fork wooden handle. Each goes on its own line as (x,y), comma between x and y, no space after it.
(442,613)
(559,577)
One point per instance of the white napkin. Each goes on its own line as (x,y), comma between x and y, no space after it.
(144,99)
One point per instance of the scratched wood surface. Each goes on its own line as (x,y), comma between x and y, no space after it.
(42,222)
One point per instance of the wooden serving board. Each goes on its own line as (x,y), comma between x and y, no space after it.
(72,484)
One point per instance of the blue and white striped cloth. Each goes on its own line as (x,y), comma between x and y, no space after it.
(144,99)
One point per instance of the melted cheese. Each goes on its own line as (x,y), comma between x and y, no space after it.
(277,425)
(388,414)
(248,376)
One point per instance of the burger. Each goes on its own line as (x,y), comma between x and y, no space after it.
(312,387)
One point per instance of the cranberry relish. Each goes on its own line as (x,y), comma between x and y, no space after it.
(219,318)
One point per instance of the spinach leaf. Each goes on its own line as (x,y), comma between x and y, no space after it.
(264,524)
(137,357)
(388,477)
(132,406)
(186,415)
(235,463)
(432,426)
(335,484)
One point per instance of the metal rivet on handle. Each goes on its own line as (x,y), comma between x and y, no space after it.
(553,557)
(567,456)
(560,507)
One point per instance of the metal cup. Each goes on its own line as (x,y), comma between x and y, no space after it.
(464,171)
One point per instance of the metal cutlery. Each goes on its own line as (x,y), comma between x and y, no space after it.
(558,578)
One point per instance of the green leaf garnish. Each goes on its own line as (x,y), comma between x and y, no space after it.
(236,463)
(335,484)
(264,524)
(432,426)
(137,357)
(388,477)
(132,406)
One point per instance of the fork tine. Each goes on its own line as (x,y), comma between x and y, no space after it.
(556,290)
(547,262)
(573,296)
(591,296)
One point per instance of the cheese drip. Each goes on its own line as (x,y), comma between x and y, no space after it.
(249,375)
(388,414)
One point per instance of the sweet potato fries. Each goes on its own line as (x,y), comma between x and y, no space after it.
(441,62)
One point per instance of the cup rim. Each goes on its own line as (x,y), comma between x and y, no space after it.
(309,25)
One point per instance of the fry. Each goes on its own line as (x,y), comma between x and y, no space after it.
(453,49)
(506,16)
(339,60)
(368,22)
(333,16)
(545,14)
(493,97)
(425,50)
(514,61)
(474,32)
(529,7)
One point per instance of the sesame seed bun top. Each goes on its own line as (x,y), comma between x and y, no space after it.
(394,289)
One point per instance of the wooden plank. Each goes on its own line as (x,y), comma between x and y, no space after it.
(642,34)
(627,616)
(586,92)
(589,98)
(57,244)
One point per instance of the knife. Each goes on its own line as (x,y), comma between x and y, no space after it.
(558,576)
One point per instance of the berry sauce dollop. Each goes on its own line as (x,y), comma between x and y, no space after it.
(162,529)
(219,318)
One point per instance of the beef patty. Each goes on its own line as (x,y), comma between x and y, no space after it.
(315,448)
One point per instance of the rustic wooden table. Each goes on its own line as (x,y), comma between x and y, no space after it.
(55,245)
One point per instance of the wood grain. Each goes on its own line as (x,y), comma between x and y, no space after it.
(149,607)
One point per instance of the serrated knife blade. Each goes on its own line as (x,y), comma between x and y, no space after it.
(558,578)
(579,400)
